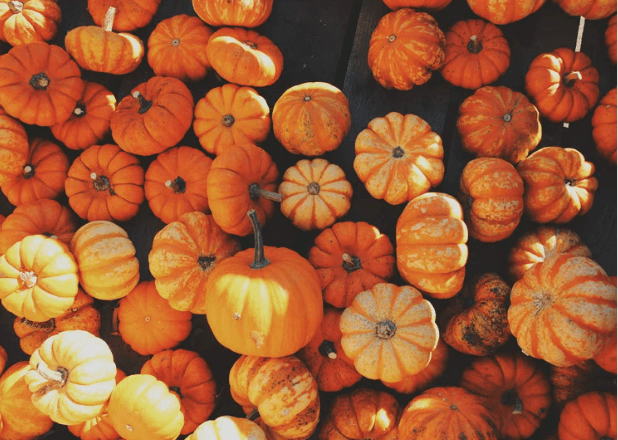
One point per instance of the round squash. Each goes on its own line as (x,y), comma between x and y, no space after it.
(29,21)
(590,416)
(131,14)
(610,39)
(228,428)
(604,126)
(504,11)
(13,147)
(590,9)
(243,13)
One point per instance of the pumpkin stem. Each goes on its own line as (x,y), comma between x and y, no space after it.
(571,78)
(507,117)
(178,185)
(16,6)
(255,191)
(176,390)
(398,152)
(47,326)
(327,349)
(59,375)
(143,102)
(101,183)
(28,171)
(254,414)
(386,329)
(313,188)
(108,21)
(251,44)
(475,45)
(80,110)
(351,263)
(228,120)
(260,261)
(568,182)
(50,235)
(206,262)
(510,398)
(28,278)
(175,42)
(391,38)
(40,81)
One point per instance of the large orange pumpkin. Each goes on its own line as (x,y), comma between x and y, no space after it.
(131,14)
(243,13)
(604,126)
(13,147)
(589,9)
(610,38)
(29,21)
(504,11)
(590,416)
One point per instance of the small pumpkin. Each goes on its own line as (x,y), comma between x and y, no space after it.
(13,147)
(131,14)
(570,382)
(431,5)
(3,358)
(610,38)
(607,358)
(228,428)
(477,54)
(590,416)
(604,126)
(220,13)
(504,11)
(29,21)
(398,157)
(590,10)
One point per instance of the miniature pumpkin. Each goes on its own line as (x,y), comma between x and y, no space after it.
(29,21)
(398,157)
(590,10)
(405,48)
(431,249)
(176,48)
(38,278)
(264,301)
(492,194)
(498,122)
(89,122)
(477,54)
(515,389)
(607,358)
(230,115)
(247,14)
(108,268)
(81,315)
(105,183)
(504,11)
(13,147)
(559,184)
(183,256)
(228,428)
(569,382)
(563,310)
(62,379)
(141,407)
(610,38)
(604,126)
(447,412)
(351,258)
(176,183)
(244,57)
(311,118)
(43,216)
(590,416)
(431,5)
(242,178)
(475,321)
(155,116)
(389,332)
(147,322)
(281,389)
(325,358)
(39,84)
(131,14)
(563,84)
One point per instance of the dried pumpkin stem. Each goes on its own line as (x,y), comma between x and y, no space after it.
(475,45)
(28,278)
(228,120)
(175,42)
(80,110)
(327,349)
(391,38)
(398,152)
(351,263)
(16,6)
(143,102)
(108,21)
(510,398)
(28,171)
(507,117)
(571,78)
(206,262)
(178,185)
(260,260)
(386,329)
(254,414)
(255,191)
(101,183)
(313,188)
(59,375)
(40,81)
(46,326)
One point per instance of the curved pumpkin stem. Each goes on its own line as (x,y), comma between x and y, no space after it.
(351,263)
(255,191)
(571,78)
(254,414)
(475,45)
(101,183)
(143,102)
(16,6)
(327,349)
(59,376)
(108,21)
(178,185)
(28,278)
(260,261)
(510,398)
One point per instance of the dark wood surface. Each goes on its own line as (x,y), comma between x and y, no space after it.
(327,40)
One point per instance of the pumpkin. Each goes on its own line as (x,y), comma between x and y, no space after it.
(105,183)
(324,357)
(13,147)
(389,332)
(81,315)
(155,116)
(38,278)
(315,194)
(536,246)
(351,258)
(247,14)
(610,38)
(68,383)
(39,84)
(449,413)
(242,178)
(141,407)
(147,322)
(515,389)
(176,183)
(590,416)
(230,115)
(29,21)
(131,14)
(563,310)
(311,118)
(398,157)
(570,382)
(604,126)
(492,194)
(19,418)
(89,122)
(228,428)
(3,358)
(431,249)
(281,389)
(607,358)
(590,10)
(431,5)
(504,11)
(42,177)
(559,184)
(498,122)
(265,301)
(405,48)
(361,414)
(475,321)
(43,216)
(108,268)
(190,377)
(244,57)
(563,84)
(176,48)
(477,54)
(184,254)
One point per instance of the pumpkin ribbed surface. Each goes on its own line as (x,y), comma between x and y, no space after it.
(604,126)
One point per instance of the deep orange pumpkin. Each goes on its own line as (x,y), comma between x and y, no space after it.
(131,14)
(607,358)
(13,147)
(589,9)
(590,416)
(604,126)
(504,11)
(29,21)
(610,38)
(243,13)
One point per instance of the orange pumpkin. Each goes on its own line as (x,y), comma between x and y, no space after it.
(431,5)
(105,183)
(405,48)
(89,122)
(504,11)
(176,48)
(13,147)
(607,358)
(590,416)
(230,115)
(29,21)
(131,14)
(311,118)
(610,38)
(559,184)
(498,122)
(563,84)
(228,428)
(176,183)
(477,54)
(244,57)
(3,358)
(247,14)
(604,126)
(39,84)
(590,9)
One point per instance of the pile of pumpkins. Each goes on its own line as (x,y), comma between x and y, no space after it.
(302,325)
